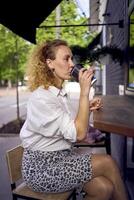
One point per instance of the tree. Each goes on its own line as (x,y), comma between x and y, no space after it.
(8,56)
(69,15)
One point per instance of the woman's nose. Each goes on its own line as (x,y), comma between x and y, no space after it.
(71,64)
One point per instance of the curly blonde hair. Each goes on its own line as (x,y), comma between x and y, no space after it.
(37,71)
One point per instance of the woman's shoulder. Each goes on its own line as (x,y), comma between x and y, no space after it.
(42,94)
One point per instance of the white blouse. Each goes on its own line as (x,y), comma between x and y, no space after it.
(49,125)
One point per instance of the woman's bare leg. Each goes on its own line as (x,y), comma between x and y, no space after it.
(104,165)
(98,188)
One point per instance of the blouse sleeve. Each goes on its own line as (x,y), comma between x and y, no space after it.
(50,119)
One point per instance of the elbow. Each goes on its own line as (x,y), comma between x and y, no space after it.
(80,136)
(81,132)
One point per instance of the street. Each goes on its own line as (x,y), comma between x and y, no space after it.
(8,106)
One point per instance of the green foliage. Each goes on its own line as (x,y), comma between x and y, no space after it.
(69,16)
(132,30)
(87,55)
(131,75)
(13,55)
(116,53)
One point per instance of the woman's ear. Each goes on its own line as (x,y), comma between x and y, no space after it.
(49,63)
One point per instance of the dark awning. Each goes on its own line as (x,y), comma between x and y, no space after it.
(23,17)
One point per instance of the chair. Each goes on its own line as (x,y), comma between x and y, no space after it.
(14,159)
(105,142)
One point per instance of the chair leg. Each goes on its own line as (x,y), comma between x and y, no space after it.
(108,143)
(73,195)
(14,197)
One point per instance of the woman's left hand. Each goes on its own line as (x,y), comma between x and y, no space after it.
(95,104)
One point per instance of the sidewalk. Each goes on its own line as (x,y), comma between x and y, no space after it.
(6,143)
(7,92)
(4,91)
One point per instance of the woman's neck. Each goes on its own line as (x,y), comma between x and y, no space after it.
(59,84)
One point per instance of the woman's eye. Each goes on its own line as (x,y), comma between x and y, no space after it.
(66,59)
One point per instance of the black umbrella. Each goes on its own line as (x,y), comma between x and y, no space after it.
(23,17)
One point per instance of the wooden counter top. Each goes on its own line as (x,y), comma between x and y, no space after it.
(116,116)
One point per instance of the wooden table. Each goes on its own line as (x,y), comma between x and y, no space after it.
(116,116)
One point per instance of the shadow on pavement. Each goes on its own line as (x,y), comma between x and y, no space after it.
(6,142)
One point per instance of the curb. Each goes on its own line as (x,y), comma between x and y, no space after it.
(9,134)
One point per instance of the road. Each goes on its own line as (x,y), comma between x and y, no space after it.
(8,106)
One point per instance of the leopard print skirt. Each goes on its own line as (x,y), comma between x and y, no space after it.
(56,171)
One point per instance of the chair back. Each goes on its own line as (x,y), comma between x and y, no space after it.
(14,161)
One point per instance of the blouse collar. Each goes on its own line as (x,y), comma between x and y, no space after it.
(57,91)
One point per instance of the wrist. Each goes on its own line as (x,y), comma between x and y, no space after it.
(82,94)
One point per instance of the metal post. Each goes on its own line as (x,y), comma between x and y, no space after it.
(58,13)
(17,75)
(104,66)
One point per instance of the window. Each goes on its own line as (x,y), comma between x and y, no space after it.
(130,78)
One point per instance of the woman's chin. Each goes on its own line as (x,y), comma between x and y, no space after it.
(67,78)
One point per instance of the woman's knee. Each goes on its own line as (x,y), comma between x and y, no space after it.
(106,189)
(102,164)
(99,187)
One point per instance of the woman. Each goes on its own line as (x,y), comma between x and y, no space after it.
(49,162)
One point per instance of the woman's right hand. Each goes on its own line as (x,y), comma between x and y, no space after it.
(85,77)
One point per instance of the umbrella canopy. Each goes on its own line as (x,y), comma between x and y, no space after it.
(23,17)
